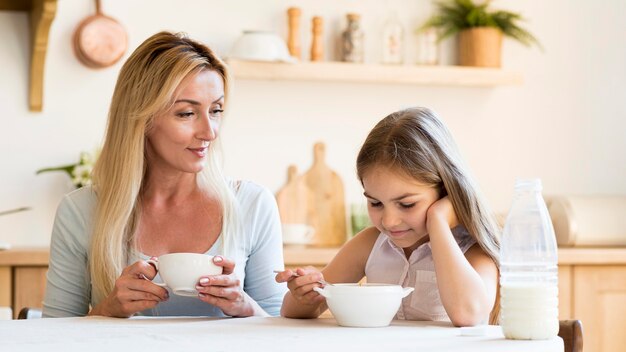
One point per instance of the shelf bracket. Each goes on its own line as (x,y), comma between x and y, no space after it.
(41,15)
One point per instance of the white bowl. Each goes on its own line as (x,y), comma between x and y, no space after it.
(260,46)
(298,234)
(365,305)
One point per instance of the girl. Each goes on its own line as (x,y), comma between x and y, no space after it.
(432,229)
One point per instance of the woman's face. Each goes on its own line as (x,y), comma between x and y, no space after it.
(397,205)
(180,137)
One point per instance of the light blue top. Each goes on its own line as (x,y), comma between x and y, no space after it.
(68,289)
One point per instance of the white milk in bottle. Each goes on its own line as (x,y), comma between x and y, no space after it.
(528,268)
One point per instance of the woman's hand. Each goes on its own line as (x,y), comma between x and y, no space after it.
(301,286)
(441,211)
(133,292)
(224,291)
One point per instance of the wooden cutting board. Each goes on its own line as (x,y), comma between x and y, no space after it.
(293,199)
(315,198)
(328,211)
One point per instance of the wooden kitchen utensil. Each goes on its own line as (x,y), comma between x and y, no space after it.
(293,39)
(328,213)
(293,199)
(317,44)
(99,41)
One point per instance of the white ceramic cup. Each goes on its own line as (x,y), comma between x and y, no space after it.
(181,271)
(297,234)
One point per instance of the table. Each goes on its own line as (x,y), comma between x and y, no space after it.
(95,334)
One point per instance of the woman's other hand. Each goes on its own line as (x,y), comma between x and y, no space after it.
(224,291)
(133,292)
(301,285)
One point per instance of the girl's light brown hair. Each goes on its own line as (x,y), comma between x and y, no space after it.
(145,88)
(415,142)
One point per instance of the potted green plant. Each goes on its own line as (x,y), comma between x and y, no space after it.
(480,30)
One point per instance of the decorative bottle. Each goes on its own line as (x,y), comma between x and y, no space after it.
(427,47)
(528,267)
(393,41)
(352,40)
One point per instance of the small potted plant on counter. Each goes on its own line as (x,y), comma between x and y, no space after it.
(480,30)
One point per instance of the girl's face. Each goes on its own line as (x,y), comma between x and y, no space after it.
(397,205)
(180,137)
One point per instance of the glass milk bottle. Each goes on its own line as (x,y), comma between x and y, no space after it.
(528,271)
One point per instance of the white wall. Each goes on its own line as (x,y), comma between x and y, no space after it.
(566,124)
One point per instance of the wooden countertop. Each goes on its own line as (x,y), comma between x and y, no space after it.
(567,256)
(24,256)
(300,255)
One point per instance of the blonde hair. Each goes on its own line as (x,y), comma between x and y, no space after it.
(416,142)
(145,88)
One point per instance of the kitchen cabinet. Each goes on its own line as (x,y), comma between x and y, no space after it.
(375,73)
(601,302)
(597,285)
(23,277)
(592,289)
(41,14)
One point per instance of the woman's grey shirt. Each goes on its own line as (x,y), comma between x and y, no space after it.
(68,289)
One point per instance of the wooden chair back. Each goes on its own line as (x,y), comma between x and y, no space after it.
(571,331)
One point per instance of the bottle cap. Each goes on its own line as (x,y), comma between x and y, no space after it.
(528,184)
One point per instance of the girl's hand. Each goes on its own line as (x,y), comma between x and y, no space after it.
(301,286)
(133,292)
(442,210)
(224,291)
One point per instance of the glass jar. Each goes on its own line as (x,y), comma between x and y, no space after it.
(393,41)
(352,40)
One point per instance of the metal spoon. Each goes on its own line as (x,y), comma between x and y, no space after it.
(323,282)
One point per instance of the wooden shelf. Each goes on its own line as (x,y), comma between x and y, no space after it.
(371,73)
(41,15)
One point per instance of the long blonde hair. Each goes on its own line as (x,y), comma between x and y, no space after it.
(417,143)
(145,88)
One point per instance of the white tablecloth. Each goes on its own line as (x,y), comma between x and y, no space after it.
(95,334)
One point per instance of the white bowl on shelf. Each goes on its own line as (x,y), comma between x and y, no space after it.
(260,46)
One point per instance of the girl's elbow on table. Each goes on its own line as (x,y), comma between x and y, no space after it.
(470,315)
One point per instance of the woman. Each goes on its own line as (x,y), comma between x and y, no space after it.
(158,189)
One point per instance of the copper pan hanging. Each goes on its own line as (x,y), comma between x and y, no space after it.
(99,41)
